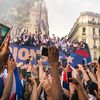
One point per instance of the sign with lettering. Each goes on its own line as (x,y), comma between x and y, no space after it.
(22,53)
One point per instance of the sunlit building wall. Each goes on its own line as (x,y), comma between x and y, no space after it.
(87,29)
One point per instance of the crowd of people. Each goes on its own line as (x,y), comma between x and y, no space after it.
(24,38)
(55,83)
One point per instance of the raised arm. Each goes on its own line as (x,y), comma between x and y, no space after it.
(98,78)
(34,91)
(53,56)
(9,81)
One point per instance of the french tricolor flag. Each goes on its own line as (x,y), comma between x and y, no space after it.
(16,93)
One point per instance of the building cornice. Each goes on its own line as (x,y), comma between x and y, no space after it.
(92,14)
(77,24)
(81,25)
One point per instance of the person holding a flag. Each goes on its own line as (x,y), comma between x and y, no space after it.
(5,87)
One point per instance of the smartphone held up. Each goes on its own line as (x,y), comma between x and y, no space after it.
(69,76)
(44,51)
(5,28)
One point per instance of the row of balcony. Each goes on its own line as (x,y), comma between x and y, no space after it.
(94,36)
(93,23)
(95,47)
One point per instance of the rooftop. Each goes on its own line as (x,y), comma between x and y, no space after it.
(90,14)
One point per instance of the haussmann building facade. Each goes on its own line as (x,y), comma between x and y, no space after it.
(87,29)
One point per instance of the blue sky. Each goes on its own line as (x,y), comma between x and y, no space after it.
(63,13)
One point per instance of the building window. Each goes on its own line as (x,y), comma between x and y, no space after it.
(99,43)
(94,46)
(93,30)
(84,30)
(95,56)
(89,22)
(93,21)
(94,34)
(98,22)
(99,32)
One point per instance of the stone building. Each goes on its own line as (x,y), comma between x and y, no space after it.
(87,28)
